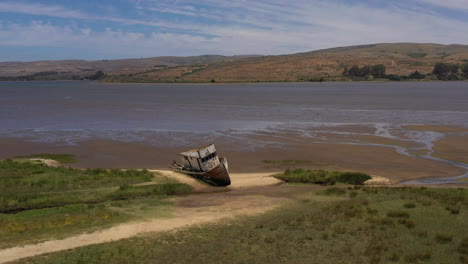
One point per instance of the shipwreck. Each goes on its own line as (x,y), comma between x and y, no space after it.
(204,164)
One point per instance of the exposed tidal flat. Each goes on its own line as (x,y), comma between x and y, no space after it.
(402,131)
(398,131)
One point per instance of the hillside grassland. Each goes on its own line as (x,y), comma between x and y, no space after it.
(400,59)
(322,65)
(39,202)
(337,225)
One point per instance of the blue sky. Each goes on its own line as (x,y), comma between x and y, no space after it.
(112,29)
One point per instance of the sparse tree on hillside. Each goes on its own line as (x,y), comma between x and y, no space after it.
(417,75)
(441,69)
(354,71)
(454,68)
(98,75)
(378,71)
(465,70)
(365,71)
(446,71)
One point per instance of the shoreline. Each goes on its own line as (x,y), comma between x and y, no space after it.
(274,152)
(246,83)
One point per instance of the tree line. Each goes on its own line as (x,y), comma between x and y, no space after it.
(443,71)
(448,71)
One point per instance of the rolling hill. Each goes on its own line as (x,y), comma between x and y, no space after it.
(67,68)
(398,58)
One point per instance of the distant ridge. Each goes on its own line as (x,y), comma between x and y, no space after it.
(398,58)
(83,67)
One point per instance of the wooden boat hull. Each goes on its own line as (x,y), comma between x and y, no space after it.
(218,176)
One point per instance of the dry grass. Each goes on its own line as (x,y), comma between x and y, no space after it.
(326,228)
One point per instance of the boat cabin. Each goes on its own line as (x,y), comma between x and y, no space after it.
(200,160)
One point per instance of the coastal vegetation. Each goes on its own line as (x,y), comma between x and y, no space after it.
(37,200)
(337,225)
(323,177)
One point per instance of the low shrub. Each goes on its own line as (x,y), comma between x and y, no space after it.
(355,178)
(443,237)
(398,214)
(323,177)
(463,247)
(334,191)
(410,224)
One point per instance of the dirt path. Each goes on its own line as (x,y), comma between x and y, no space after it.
(250,194)
(238,181)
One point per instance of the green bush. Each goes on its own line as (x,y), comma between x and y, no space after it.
(323,177)
(398,214)
(443,237)
(355,178)
(334,191)
(463,247)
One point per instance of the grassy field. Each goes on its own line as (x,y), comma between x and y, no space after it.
(354,225)
(38,202)
(322,177)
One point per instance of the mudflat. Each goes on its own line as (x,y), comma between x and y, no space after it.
(397,158)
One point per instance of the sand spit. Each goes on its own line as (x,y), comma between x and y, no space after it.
(49,162)
(378,181)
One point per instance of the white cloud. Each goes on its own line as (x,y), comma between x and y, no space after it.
(461,5)
(236,27)
(39,9)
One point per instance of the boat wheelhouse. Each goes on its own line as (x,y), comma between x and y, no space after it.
(204,164)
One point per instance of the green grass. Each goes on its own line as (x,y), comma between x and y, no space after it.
(322,177)
(25,185)
(62,158)
(327,227)
(39,202)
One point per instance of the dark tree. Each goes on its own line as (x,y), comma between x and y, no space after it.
(465,70)
(446,71)
(365,71)
(378,71)
(97,76)
(417,75)
(454,68)
(441,69)
(354,71)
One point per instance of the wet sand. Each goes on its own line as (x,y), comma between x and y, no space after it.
(348,147)
(452,147)
(436,128)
